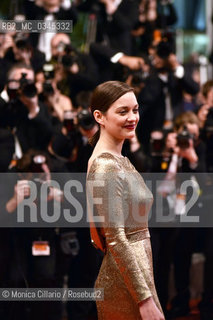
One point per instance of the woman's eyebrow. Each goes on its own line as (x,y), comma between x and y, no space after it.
(125,107)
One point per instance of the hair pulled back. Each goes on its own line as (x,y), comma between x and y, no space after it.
(104,95)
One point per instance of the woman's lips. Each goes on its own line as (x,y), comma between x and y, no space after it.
(130,127)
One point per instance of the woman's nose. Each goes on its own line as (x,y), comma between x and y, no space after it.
(132,116)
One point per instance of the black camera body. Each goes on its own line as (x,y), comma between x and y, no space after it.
(70,56)
(49,74)
(183,138)
(85,119)
(157,143)
(138,77)
(24,86)
(27,87)
(48,89)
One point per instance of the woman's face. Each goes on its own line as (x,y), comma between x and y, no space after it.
(121,118)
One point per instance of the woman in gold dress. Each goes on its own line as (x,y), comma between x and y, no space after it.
(118,197)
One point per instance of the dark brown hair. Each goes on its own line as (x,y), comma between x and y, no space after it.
(104,96)
(207,87)
(184,118)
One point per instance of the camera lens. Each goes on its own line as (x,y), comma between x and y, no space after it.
(29,90)
(86,120)
(37,163)
(69,121)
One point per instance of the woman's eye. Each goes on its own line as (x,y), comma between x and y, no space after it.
(122,112)
(136,110)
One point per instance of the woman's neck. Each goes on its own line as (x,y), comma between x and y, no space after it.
(108,143)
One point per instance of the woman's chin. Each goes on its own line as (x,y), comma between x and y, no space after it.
(130,135)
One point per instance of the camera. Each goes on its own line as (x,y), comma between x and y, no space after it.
(70,243)
(69,121)
(37,162)
(183,138)
(22,41)
(157,143)
(70,56)
(27,87)
(31,169)
(138,77)
(22,86)
(85,119)
(49,73)
(39,176)
(164,49)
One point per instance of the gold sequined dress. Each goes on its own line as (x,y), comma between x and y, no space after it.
(118,196)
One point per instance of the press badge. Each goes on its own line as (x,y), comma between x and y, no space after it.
(40,248)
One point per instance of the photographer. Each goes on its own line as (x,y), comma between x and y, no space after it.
(47,10)
(6,41)
(78,71)
(33,252)
(115,20)
(205,115)
(186,144)
(162,95)
(21,51)
(137,78)
(49,93)
(27,118)
(154,19)
(72,146)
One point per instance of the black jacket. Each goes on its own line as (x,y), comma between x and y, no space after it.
(31,133)
(114,30)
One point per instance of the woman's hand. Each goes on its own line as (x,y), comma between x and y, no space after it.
(149,311)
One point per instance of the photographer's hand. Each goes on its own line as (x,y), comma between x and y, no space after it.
(133,63)
(74,69)
(31,104)
(110,6)
(25,56)
(171,142)
(6,43)
(21,190)
(55,194)
(59,103)
(189,153)
(173,61)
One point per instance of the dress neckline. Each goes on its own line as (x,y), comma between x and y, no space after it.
(105,152)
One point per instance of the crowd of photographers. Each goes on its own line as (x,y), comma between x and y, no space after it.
(45,126)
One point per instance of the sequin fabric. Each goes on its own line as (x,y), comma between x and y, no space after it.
(120,196)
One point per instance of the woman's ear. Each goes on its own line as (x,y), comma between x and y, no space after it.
(99,117)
